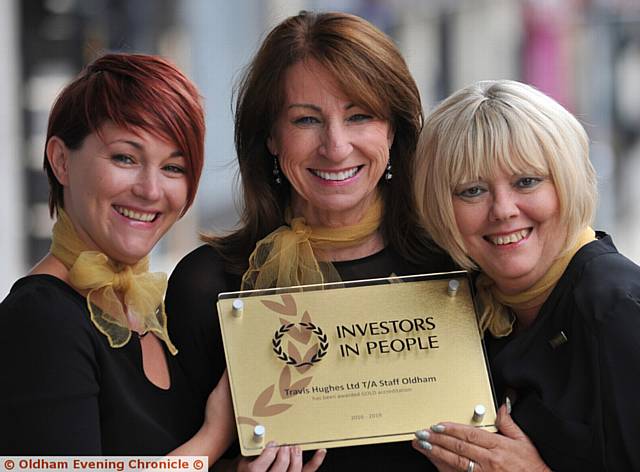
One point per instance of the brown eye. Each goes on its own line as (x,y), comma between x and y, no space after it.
(122,159)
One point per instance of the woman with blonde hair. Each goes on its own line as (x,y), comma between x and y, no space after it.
(505,185)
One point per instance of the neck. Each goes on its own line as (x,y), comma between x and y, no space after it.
(374,244)
(330,218)
(51,265)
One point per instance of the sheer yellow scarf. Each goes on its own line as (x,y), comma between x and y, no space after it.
(495,305)
(285,258)
(109,282)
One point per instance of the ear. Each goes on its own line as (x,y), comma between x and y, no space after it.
(271,145)
(58,157)
(390,136)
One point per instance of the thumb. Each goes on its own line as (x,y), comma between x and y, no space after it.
(507,426)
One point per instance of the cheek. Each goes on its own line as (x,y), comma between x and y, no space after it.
(467,219)
(177,192)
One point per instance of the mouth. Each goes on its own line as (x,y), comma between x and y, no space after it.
(136,215)
(511,238)
(338,176)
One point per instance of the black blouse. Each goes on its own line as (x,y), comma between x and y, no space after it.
(193,291)
(577,398)
(65,391)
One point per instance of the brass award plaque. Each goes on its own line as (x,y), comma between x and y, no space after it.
(354,363)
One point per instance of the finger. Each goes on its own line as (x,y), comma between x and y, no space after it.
(441,466)
(316,461)
(295,460)
(443,458)
(283,458)
(507,426)
(265,459)
(468,434)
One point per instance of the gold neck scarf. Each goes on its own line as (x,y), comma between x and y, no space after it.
(285,258)
(115,290)
(496,305)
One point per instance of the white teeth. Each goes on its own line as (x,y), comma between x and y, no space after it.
(134,215)
(336,176)
(510,238)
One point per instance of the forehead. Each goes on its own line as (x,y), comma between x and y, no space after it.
(310,82)
(110,132)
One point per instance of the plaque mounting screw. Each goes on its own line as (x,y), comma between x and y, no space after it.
(452,288)
(238,307)
(478,413)
(258,433)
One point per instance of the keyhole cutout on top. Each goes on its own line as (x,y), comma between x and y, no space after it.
(154,361)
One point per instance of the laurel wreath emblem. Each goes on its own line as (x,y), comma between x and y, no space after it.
(323,345)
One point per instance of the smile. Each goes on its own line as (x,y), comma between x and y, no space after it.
(135,215)
(336,176)
(514,237)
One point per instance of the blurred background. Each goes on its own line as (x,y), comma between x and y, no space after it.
(584,53)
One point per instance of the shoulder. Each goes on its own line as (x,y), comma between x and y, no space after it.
(44,324)
(606,284)
(43,302)
(202,270)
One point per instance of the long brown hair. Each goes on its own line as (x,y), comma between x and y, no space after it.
(369,69)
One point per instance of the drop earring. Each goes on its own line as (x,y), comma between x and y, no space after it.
(387,173)
(276,171)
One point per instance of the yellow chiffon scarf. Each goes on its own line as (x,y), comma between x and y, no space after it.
(285,258)
(496,305)
(115,290)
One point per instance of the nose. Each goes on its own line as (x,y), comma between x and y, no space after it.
(336,142)
(504,205)
(147,185)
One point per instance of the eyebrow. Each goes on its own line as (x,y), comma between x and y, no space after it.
(315,107)
(137,145)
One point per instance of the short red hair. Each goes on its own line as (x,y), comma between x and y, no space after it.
(133,91)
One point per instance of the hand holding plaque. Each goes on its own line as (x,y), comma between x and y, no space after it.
(363,362)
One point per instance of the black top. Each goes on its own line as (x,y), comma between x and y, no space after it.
(578,401)
(65,391)
(193,290)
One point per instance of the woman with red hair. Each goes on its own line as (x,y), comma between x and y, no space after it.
(88,366)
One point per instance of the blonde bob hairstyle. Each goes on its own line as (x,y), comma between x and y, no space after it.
(501,125)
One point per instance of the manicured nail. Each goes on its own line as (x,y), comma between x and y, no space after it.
(422,434)
(507,402)
(437,428)
(425,445)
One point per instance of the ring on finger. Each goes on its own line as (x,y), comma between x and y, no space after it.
(471,466)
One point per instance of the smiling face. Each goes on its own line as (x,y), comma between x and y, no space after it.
(332,151)
(510,226)
(122,191)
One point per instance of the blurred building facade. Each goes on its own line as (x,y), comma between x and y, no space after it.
(586,54)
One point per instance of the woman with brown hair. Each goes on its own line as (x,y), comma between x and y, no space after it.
(327,121)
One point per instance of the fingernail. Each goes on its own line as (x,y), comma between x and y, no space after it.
(297,451)
(507,402)
(422,434)
(437,428)
(425,445)
(271,444)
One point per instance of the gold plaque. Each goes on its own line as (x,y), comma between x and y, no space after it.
(354,363)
